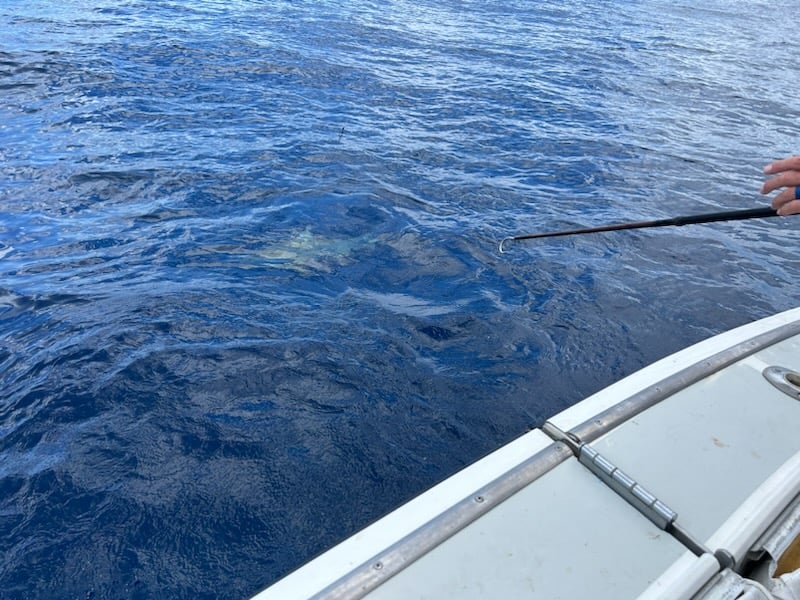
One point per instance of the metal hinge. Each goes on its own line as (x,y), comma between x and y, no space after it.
(656,511)
(634,493)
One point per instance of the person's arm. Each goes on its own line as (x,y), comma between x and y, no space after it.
(786,175)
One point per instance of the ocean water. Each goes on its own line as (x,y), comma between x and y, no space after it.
(251,297)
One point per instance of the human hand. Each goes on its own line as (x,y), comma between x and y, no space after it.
(787,175)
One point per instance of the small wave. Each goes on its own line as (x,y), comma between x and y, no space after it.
(404,304)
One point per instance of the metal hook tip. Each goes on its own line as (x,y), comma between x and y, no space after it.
(503,241)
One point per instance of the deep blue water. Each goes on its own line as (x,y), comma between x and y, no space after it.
(250,293)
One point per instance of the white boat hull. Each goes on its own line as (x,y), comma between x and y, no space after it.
(665,484)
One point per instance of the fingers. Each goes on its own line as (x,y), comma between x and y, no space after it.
(787,176)
(790,208)
(785,179)
(787,164)
(787,203)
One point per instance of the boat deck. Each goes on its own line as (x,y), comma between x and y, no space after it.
(653,487)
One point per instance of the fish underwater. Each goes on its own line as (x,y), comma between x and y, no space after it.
(303,252)
(307,252)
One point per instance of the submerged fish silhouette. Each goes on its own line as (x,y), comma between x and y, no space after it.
(307,251)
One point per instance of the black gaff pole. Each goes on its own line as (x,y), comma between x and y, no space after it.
(731,215)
